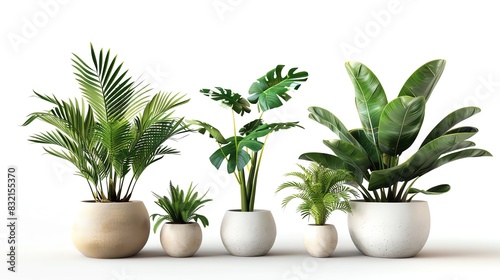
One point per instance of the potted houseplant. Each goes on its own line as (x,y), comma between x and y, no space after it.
(179,236)
(248,231)
(388,223)
(111,136)
(322,190)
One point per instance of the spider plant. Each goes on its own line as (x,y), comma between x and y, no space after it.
(322,190)
(114,132)
(373,152)
(181,207)
(243,150)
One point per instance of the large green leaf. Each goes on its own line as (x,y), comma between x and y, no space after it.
(350,154)
(333,162)
(228,98)
(371,150)
(333,123)
(213,132)
(234,152)
(424,79)
(370,97)
(450,121)
(400,124)
(269,90)
(419,163)
(459,155)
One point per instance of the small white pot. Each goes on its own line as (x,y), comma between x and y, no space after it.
(248,234)
(389,230)
(111,229)
(181,240)
(320,240)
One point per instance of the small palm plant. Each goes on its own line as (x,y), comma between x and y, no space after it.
(322,191)
(181,207)
(115,132)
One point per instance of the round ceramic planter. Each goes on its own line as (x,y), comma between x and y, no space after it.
(248,234)
(320,240)
(181,240)
(389,230)
(111,230)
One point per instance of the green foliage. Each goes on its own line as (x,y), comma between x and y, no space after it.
(115,132)
(322,190)
(180,207)
(372,153)
(243,150)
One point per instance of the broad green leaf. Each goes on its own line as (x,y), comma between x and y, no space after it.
(370,149)
(249,127)
(424,79)
(213,132)
(450,121)
(333,123)
(439,189)
(234,152)
(419,163)
(333,162)
(370,97)
(459,155)
(350,154)
(228,98)
(269,90)
(400,124)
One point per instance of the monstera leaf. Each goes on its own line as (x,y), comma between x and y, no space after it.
(269,90)
(228,98)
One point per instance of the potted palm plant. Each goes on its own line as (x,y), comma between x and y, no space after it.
(389,223)
(179,236)
(248,231)
(322,191)
(111,136)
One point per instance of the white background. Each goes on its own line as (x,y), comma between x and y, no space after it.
(182,46)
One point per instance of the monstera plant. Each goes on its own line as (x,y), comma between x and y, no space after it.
(243,150)
(388,128)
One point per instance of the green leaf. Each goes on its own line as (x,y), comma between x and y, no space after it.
(333,162)
(212,131)
(370,149)
(370,97)
(234,152)
(228,98)
(250,127)
(350,154)
(269,90)
(450,121)
(459,155)
(440,189)
(333,123)
(400,124)
(424,79)
(419,163)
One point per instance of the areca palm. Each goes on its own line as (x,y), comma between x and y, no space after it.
(114,132)
(322,190)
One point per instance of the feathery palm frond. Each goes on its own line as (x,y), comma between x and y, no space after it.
(321,191)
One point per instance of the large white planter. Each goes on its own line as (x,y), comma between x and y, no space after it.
(111,230)
(389,230)
(181,240)
(320,240)
(248,234)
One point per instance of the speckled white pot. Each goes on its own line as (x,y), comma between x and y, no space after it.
(248,234)
(111,229)
(389,230)
(181,240)
(320,240)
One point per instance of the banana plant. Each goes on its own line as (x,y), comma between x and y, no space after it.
(372,153)
(114,132)
(243,150)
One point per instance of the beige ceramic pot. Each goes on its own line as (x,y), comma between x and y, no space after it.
(320,240)
(181,240)
(111,230)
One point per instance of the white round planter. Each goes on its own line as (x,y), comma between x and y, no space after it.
(111,229)
(248,234)
(389,230)
(181,240)
(320,240)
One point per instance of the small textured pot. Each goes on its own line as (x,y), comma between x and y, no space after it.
(181,240)
(320,240)
(248,234)
(109,230)
(389,230)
